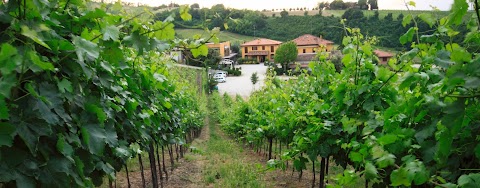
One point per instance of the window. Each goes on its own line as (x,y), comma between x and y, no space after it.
(304,51)
(246,49)
(314,50)
(263,47)
(272,49)
(254,48)
(385,59)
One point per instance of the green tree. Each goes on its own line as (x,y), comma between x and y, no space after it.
(376,15)
(284,14)
(389,17)
(194,5)
(373,4)
(286,53)
(254,79)
(337,5)
(352,14)
(322,5)
(400,17)
(363,4)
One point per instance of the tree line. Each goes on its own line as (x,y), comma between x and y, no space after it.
(341,5)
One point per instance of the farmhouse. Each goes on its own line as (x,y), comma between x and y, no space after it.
(383,56)
(311,44)
(261,49)
(223,48)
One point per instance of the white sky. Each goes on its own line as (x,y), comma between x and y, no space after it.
(280,4)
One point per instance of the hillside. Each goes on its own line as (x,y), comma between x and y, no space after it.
(223,35)
(367,13)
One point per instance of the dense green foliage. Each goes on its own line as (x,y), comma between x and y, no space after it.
(79,86)
(396,126)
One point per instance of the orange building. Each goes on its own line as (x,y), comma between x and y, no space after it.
(261,49)
(311,44)
(222,47)
(383,56)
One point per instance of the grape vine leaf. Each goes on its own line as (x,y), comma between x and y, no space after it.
(417,172)
(6,84)
(184,13)
(94,138)
(370,171)
(6,52)
(387,139)
(427,18)
(110,32)
(64,86)
(200,50)
(6,132)
(164,30)
(33,35)
(459,9)
(24,181)
(477,151)
(64,148)
(137,41)
(85,49)
(97,110)
(4,114)
(470,180)
(39,63)
(407,20)
(408,36)
(399,177)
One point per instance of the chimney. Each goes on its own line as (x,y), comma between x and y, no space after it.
(321,37)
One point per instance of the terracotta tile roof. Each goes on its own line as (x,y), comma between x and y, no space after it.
(380,53)
(261,41)
(307,39)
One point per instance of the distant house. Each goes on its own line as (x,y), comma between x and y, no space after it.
(311,44)
(383,56)
(223,48)
(176,54)
(261,49)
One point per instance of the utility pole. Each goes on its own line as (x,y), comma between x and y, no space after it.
(254,31)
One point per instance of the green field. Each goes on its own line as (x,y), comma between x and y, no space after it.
(223,35)
(367,13)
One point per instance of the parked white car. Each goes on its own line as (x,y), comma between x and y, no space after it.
(220,78)
(224,74)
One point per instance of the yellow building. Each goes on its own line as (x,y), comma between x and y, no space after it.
(223,48)
(261,49)
(311,44)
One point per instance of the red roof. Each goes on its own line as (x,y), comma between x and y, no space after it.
(380,53)
(307,40)
(261,41)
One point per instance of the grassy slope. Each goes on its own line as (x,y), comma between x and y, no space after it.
(223,35)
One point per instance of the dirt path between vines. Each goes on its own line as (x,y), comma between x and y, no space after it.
(215,160)
(244,167)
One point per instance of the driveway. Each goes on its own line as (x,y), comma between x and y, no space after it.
(242,85)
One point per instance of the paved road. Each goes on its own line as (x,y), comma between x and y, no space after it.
(242,85)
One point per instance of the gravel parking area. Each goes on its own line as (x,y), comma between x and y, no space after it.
(242,85)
